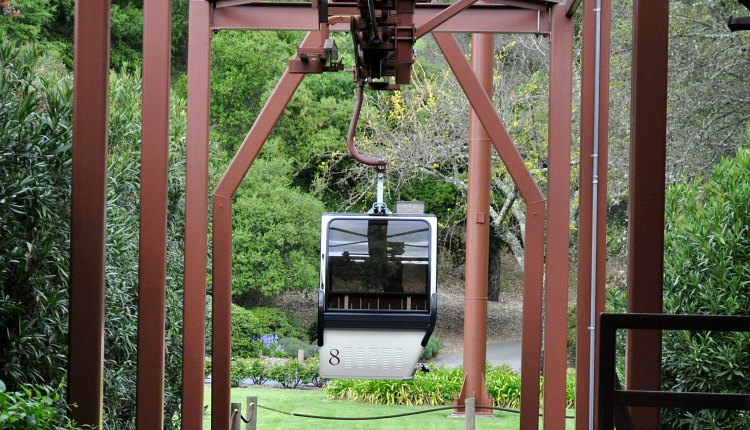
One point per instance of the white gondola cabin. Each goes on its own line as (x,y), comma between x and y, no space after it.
(377,303)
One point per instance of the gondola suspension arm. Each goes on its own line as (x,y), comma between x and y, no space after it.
(378,163)
(379,207)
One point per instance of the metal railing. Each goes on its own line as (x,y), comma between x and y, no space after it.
(610,397)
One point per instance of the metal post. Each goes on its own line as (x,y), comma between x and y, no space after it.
(592,230)
(646,214)
(558,213)
(88,211)
(152,263)
(196,214)
(470,413)
(477,237)
(252,413)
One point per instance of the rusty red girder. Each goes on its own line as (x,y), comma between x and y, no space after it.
(558,216)
(196,214)
(88,211)
(646,212)
(485,18)
(152,265)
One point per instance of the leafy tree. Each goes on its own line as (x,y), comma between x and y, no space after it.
(707,271)
(24,20)
(276,233)
(706,111)
(35,133)
(244,69)
(312,132)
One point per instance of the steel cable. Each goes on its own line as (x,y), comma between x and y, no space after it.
(382,417)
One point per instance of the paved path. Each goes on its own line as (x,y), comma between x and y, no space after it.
(497,353)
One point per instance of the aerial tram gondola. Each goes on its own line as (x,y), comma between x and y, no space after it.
(377,303)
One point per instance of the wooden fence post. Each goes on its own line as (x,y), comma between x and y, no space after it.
(235,414)
(252,413)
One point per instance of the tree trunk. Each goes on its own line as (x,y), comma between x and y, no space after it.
(493,280)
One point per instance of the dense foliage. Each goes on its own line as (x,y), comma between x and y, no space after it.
(49,23)
(244,70)
(275,235)
(707,271)
(35,132)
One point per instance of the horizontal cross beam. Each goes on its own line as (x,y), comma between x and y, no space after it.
(486,18)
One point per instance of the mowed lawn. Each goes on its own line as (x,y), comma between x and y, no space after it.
(314,402)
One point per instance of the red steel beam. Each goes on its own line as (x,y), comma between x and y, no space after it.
(477,238)
(221,305)
(571,7)
(196,214)
(152,265)
(484,18)
(558,213)
(646,214)
(441,17)
(88,211)
(531,346)
(222,237)
(586,196)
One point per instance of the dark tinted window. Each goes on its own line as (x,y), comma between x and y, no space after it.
(378,256)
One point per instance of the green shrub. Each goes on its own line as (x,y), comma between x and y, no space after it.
(247,368)
(312,373)
(257,371)
(34,408)
(290,346)
(288,373)
(239,369)
(707,271)
(246,329)
(431,349)
(504,386)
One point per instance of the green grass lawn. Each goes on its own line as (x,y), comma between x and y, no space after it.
(314,402)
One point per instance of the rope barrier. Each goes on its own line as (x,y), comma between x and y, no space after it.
(382,417)
(242,417)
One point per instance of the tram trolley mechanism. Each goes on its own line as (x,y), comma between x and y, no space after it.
(377,303)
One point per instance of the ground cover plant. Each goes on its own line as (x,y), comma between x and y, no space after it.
(437,387)
(316,402)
